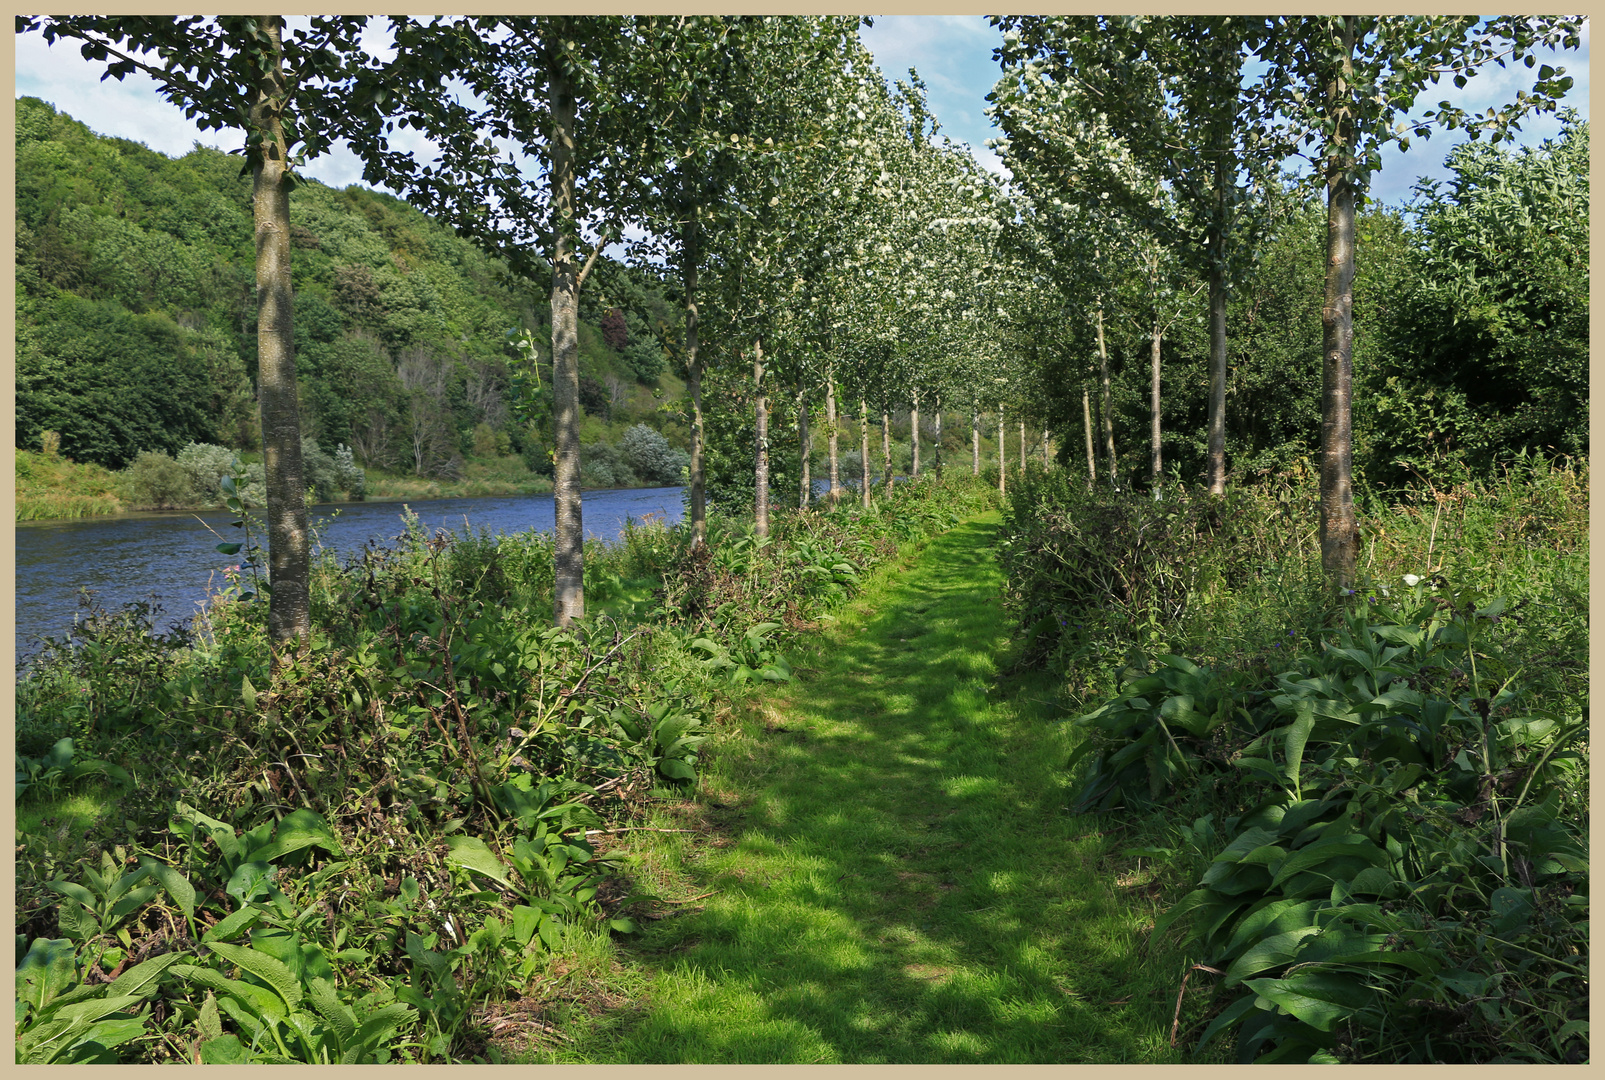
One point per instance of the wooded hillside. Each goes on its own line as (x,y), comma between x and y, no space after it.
(136,319)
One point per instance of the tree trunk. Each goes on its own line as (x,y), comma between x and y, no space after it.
(693,364)
(886,449)
(1157,465)
(806,446)
(975,442)
(1022,447)
(1003,459)
(1047,456)
(833,438)
(569,566)
(1086,420)
(1340,539)
(289,550)
(760,444)
(863,452)
(1108,404)
(914,436)
(1217,381)
(936,435)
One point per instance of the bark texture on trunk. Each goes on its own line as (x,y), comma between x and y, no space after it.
(289,547)
(569,565)
(1340,538)
(833,439)
(1086,420)
(1157,465)
(863,452)
(886,449)
(760,444)
(1217,382)
(699,480)
(936,435)
(975,442)
(914,436)
(806,448)
(1108,405)
(1003,456)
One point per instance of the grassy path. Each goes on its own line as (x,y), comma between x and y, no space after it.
(893,875)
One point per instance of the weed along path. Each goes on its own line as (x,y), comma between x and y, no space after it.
(884,869)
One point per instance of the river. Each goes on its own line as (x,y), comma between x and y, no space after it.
(171,558)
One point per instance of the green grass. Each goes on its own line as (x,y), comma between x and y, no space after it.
(885,871)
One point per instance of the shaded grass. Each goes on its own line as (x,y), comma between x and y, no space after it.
(893,875)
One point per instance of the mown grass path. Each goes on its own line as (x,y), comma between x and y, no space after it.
(893,876)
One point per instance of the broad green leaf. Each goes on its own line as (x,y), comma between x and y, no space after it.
(176,884)
(46,971)
(224,1050)
(143,978)
(1268,953)
(264,967)
(329,1005)
(232,925)
(300,829)
(472,853)
(1322,999)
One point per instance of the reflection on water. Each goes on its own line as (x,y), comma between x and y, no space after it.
(172,558)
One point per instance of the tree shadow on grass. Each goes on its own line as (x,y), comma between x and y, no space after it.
(904,884)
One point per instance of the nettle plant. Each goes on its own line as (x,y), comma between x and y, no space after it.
(1409,881)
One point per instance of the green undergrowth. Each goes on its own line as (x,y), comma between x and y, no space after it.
(1367,809)
(391,844)
(879,865)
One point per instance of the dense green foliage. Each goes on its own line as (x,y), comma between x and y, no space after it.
(440,797)
(1486,342)
(1388,791)
(136,318)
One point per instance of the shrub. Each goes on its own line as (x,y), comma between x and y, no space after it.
(154,481)
(207,465)
(651,457)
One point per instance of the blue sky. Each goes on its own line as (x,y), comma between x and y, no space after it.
(953,54)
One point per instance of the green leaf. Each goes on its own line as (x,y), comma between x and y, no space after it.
(142,979)
(46,971)
(176,884)
(1320,999)
(232,925)
(264,967)
(676,769)
(471,853)
(247,692)
(300,829)
(1270,952)
(328,1004)
(224,1050)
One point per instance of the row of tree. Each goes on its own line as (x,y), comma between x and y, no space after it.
(820,241)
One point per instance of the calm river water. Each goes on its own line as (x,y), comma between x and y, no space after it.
(171,557)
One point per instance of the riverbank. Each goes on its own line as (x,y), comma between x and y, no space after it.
(54,488)
(447,793)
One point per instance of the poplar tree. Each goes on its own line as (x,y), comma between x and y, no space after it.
(286,93)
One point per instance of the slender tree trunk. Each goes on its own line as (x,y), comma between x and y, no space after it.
(1157,465)
(289,550)
(914,435)
(863,452)
(1217,382)
(936,435)
(1340,538)
(806,446)
(1047,456)
(1022,447)
(1108,404)
(760,444)
(569,566)
(833,438)
(975,442)
(1086,420)
(699,480)
(1003,457)
(886,449)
